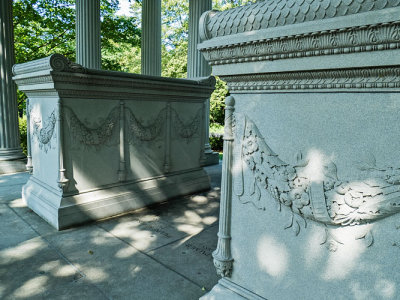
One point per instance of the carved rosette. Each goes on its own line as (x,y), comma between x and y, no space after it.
(223,260)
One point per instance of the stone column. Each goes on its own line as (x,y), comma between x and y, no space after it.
(10,149)
(88,46)
(151,37)
(197,66)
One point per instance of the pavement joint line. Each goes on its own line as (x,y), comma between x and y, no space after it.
(188,235)
(153,258)
(59,253)
(169,243)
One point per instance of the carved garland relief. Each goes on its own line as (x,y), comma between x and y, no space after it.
(102,131)
(43,131)
(98,134)
(332,202)
(187,130)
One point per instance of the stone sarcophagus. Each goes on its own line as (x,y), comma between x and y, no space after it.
(311,173)
(102,143)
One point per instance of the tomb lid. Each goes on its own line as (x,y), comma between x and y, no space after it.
(280,13)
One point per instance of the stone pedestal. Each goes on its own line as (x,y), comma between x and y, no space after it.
(198,66)
(103,143)
(151,37)
(10,149)
(310,196)
(88,39)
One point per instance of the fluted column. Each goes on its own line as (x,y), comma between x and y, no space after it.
(151,37)
(198,67)
(10,148)
(88,46)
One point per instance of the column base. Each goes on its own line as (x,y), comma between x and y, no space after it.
(12,166)
(212,158)
(11,154)
(227,290)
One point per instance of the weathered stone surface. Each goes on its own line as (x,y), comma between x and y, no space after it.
(103,142)
(311,179)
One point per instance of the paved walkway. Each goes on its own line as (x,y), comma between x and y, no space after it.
(159,253)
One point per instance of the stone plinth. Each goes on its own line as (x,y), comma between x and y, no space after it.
(103,142)
(311,178)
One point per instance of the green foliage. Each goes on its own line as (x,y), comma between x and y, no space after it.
(23,134)
(44,27)
(217,104)
(216,137)
(228,4)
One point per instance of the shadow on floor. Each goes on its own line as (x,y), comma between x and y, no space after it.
(162,252)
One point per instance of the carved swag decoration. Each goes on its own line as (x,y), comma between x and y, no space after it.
(102,131)
(332,202)
(98,134)
(189,129)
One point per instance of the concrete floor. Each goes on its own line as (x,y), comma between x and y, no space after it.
(163,252)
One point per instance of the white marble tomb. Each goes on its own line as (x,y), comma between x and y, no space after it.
(102,143)
(311,173)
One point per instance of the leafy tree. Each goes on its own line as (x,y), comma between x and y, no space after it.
(43,27)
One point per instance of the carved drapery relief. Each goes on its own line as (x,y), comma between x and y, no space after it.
(187,130)
(43,131)
(331,202)
(145,133)
(102,131)
(97,134)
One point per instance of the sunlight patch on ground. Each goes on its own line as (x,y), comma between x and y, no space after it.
(96,274)
(22,251)
(125,252)
(17,203)
(199,199)
(189,229)
(31,287)
(209,220)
